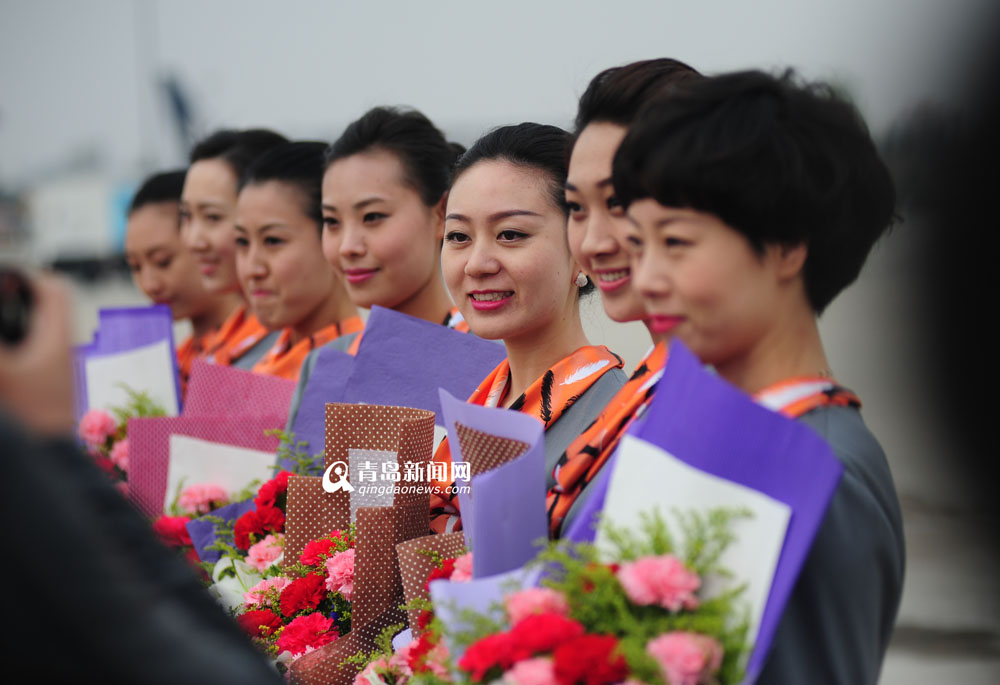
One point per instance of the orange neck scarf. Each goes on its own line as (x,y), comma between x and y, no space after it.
(585,456)
(237,334)
(285,359)
(546,399)
(189,350)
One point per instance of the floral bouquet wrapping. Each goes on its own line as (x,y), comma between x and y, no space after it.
(368,449)
(707,509)
(636,613)
(305,605)
(105,434)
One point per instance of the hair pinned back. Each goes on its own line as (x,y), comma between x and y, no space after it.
(426,156)
(536,146)
(163,187)
(299,165)
(237,148)
(617,94)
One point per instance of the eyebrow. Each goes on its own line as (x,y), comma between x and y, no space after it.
(361,204)
(600,184)
(495,217)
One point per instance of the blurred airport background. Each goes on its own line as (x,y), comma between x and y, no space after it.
(96,95)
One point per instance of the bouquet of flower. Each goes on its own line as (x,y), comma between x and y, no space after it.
(105,437)
(426,658)
(639,614)
(251,546)
(190,502)
(305,606)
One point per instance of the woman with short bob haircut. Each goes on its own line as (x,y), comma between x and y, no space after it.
(507,265)
(755,201)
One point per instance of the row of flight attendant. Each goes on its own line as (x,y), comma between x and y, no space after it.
(726,212)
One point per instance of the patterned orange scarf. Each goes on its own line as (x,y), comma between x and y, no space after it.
(237,335)
(454,320)
(546,399)
(285,359)
(585,456)
(189,350)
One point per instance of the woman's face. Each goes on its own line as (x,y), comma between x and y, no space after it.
(703,282)
(208,208)
(505,258)
(280,264)
(377,230)
(597,224)
(161,266)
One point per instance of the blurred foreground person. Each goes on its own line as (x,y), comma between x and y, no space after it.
(96,595)
(755,201)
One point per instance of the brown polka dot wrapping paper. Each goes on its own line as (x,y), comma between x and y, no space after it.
(415,565)
(312,512)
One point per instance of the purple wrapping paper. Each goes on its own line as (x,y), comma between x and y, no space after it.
(121,329)
(325,384)
(403,361)
(505,512)
(202,532)
(713,426)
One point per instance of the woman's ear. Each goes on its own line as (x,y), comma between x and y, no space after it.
(791,260)
(438,213)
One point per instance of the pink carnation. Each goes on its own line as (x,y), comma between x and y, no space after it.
(538,671)
(307,633)
(340,573)
(198,499)
(370,670)
(663,581)
(686,658)
(541,600)
(463,569)
(119,454)
(264,553)
(96,427)
(257,595)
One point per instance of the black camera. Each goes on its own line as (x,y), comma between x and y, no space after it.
(15,305)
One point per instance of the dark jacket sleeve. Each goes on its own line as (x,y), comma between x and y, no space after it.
(839,618)
(92,593)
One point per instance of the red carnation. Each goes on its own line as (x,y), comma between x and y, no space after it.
(484,655)
(252,621)
(424,619)
(442,572)
(304,593)
(267,495)
(172,530)
(591,660)
(317,551)
(416,657)
(259,522)
(542,633)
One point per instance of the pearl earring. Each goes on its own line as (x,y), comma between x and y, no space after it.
(581,280)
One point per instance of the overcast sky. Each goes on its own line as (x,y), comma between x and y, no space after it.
(77,78)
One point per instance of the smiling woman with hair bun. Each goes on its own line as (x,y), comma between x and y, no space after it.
(508,266)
